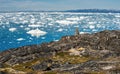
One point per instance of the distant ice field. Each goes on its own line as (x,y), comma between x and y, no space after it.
(26,28)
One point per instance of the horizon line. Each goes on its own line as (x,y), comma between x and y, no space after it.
(68,10)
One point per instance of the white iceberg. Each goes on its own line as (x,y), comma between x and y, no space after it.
(20,39)
(73,19)
(65,22)
(60,30)
(12,29)
(91,26)
(34,25)
(37,33)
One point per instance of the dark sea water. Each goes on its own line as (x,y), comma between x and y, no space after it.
(26,28)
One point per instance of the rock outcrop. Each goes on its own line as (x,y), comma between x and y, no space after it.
(79,54)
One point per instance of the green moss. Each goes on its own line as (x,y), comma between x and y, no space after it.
(26,67)
(50,72)
(22,68)
(57,72)
(101,72)
(6,65)
(65,57)
(62,54)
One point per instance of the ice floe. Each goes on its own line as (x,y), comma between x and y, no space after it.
(37,33)
(20,39)
(82,17)
(27,28)
(34,25)
(50,24)
(60,30)
(56,40)
(82,32)
(73,19)
(91,26)
(65,22)
(42,37)
(91,22)
(118,16)
(12,29)
(32,21)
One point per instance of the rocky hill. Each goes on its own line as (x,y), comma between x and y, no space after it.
(97,53)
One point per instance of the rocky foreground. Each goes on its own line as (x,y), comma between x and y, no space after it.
(97,53)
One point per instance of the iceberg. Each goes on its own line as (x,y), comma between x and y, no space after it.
(20,39)
(37,33)
(12,29)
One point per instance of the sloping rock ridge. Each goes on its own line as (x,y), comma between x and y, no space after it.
(97,53)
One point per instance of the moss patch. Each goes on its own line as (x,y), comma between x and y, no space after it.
(26,67)
(73,59)
(102,72)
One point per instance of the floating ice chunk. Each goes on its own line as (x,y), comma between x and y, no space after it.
(82,32)
(94,30)
(27,29)
(3,26)
(43,38)
(117,16)
(82,17)
(20,39)
(7,22)
(10,42)
(34,25)
(12,29)
(31,38)
(21,26)
(21,18)
(65,22)
(24,21)
(59,30)
(91,22)
(76,26)
(76,18)
(50,24)
(32,20)
(56,40)
(49,19)
(73,19)
(91,27)
(37,33)
(98,25)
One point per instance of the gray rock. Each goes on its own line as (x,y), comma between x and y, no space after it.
(1,65)
(114,71)
(3,72)
(42,67)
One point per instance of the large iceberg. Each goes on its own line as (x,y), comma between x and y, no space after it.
(37,33)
